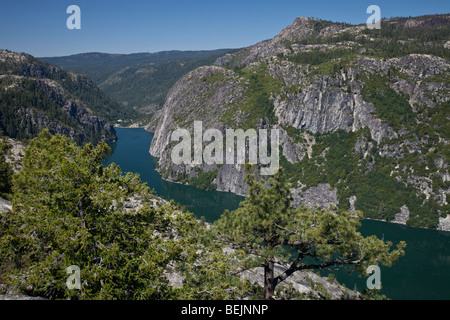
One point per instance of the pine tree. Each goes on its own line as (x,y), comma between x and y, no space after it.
(269,230)
(68,210)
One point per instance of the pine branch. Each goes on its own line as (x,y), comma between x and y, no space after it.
(295,267)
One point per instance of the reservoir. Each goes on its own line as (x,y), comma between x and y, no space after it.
(423,273)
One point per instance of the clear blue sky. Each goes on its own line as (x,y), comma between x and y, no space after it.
(39,27)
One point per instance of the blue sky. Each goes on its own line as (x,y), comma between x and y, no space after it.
(39,27)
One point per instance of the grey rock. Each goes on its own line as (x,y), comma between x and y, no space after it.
(312,103)
(83,122)
(322,196)
(304,282)
(444,223)
(5,205)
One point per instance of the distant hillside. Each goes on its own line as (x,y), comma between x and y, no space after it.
(36,95)
(100,66)
(138,81)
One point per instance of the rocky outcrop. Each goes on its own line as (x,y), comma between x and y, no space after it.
(19,297)
(301,29)
(444,223)
(321,196)
(402,216)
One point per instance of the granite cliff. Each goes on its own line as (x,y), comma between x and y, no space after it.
(362,115)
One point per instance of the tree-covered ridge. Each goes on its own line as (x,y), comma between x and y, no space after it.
(397,37)
(100,66)
(35,95)
(80,87)
(377,175)
(365,111)
(145,87)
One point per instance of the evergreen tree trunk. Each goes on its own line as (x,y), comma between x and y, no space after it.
(269,288)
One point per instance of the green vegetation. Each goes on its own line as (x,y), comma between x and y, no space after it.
(267,229)
(370,179)
(316,57)
(257,101)
(47,105)
(204,180)
(100,66)
(69,210)
(390,106)
(5,169)
(79,87)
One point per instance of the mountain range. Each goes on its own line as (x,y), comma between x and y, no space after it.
(363,115)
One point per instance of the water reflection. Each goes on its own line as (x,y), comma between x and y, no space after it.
(131,152)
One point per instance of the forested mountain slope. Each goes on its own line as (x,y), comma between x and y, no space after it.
(36,95)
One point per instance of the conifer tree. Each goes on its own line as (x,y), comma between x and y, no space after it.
(69,210)
(269,230)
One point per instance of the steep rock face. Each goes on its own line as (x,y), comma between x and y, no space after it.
(321,105)
(307,283)
(202,95)
(331,98)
